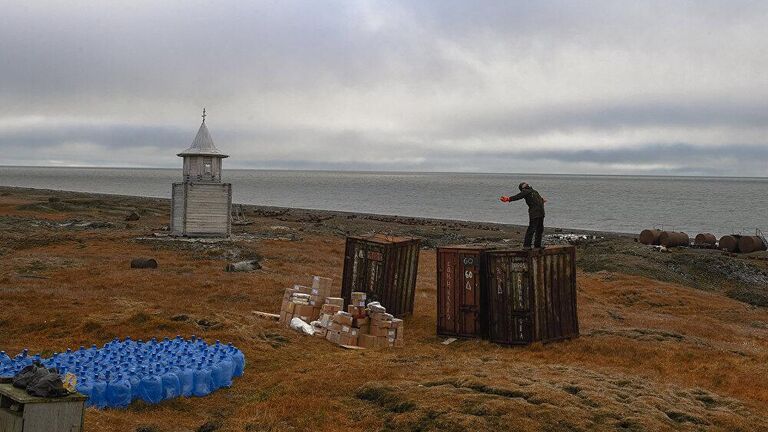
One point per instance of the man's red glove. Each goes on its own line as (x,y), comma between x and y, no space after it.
(504,198)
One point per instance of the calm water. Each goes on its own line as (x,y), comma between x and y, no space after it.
(611,203)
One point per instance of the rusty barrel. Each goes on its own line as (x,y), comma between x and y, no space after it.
(730,242)
(674,239)
(749,244)
(705,239)
(142,263)
(650,237)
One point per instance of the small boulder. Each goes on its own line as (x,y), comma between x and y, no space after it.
(133,216)
(143,263)
(243,266)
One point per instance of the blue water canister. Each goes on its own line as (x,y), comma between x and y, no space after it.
(4,359)
(98,393)
(86,388)
(151,389)
(119,392)
(239,362)
(135,381)
(171,385)
(187,380)
(202,381)
(226,371)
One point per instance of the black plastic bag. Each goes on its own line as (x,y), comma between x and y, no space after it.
(39,381)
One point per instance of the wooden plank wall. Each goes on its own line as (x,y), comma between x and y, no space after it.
(208,209)
(177,208)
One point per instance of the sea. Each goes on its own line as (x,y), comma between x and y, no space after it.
(626,204)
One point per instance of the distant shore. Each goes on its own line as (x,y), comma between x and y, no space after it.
(373,217)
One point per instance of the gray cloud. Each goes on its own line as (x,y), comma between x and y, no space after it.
(551,86)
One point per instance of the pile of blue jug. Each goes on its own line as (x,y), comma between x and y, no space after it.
(126,370)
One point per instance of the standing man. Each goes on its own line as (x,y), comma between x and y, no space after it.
(535,213)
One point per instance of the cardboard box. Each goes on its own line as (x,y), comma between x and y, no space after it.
(330,309)
(347,339)
(366,341)
(338,301)
(322,283)
(356,311)
(289,307)
(380,316)
(303,310)
(288,293)
(399,333)
(343,318)
(333,336)
(303,289)
(335,326)
(396,323)
(361,323)
(357,298)
(325,320)
(320,332)
(378,331)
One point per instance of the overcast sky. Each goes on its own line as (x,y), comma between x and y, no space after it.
(667,87)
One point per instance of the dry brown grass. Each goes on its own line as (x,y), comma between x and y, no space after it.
(652,355)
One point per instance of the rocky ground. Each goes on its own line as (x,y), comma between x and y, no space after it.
(672,340)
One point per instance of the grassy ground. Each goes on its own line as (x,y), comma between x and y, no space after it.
(656,353)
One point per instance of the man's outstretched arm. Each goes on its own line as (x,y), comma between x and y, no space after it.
(521,195)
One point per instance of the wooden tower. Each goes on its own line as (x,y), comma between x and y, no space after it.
(201,202)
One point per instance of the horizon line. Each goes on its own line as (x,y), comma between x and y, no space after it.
(384,171)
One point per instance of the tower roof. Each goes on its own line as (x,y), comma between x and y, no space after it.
(203,144)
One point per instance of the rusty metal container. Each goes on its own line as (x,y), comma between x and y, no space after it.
(531,295)
(749,244)
(460,277)
(384,268)
(650,237)
(705,239)
(674,239)
(730,243)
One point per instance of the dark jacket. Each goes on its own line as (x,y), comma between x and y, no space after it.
(533,199)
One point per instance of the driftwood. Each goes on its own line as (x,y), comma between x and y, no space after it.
(267,315)
(142,263)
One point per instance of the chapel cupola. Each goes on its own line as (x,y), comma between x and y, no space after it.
(202,160)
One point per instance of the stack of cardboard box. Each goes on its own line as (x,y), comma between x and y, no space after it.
(327,311)
(305,302)
(360,325)
(384,331)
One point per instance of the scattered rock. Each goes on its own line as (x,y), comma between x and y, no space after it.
(180,317)
(143,263)
(133,216)
(54,199)
(208,325)
(243,266)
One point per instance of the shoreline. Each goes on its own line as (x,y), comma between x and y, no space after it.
(397,219)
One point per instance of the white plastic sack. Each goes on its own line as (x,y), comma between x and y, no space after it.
(299,325)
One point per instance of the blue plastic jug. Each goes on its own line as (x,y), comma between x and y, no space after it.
(171,385)
(151,389)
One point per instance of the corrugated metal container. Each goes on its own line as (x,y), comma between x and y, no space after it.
(384,268)
(460,277)
(531,295)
